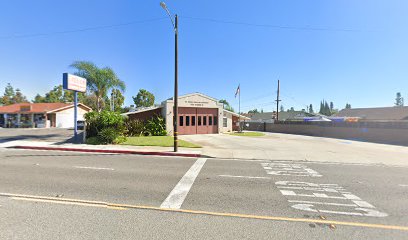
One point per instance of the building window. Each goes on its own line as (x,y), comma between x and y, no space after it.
(210,120)
(193,121)
(225,122)
(181,122)
(187,120)
(199,120)
(215,120)
(204,120)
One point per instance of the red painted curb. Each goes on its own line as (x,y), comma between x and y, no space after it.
(109,151)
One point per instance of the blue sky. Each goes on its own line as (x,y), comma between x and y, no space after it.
(340,50)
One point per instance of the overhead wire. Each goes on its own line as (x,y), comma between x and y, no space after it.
(306,28)
(272,26)
(82,29)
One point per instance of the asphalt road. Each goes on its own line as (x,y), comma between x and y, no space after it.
(59,195)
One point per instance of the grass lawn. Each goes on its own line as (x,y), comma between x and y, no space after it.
(160,141)
(248,134)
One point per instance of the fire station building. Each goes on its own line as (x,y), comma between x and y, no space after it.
(198,114)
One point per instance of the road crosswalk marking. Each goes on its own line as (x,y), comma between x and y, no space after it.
(329,192)
(180,191)
(289,169)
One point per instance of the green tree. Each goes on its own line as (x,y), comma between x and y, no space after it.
(253,111)
(19,97)
(8,95)
(321,110)
(325,108)
(55,95)
(99,80)
(226,105)
(90,101)
(311,108)
(282,109)
(117,99)
(68,97)
(399,100)
(38,99)
(58,94)
(331,106)
(224,102)
(144,98)
(348,106)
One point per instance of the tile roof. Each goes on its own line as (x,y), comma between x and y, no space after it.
(34,107)
(381,113)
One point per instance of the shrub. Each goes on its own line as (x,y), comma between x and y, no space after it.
(156,126)
(134,127)
(108,135)
(120,139)
(93,141)
(91,119)
(106,126)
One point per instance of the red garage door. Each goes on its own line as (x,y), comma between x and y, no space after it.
(197,120)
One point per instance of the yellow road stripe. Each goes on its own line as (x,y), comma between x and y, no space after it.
(248,216)
(68,203)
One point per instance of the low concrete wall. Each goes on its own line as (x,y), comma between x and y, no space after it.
(392,133)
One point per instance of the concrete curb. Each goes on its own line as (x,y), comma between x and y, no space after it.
(195,155)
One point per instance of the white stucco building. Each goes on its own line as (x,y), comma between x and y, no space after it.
(41,115)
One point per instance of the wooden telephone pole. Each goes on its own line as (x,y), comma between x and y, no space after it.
(277,102)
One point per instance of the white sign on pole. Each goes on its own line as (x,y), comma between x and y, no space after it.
(74,83)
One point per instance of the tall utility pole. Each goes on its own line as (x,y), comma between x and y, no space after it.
(175,111)
(277,103)
(239,109)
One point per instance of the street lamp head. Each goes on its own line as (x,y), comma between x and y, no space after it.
(163,5)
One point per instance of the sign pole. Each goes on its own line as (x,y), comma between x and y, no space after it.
(75,84)
(75,116)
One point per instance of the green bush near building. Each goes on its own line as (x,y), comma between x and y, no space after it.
(108,127)
(105,127)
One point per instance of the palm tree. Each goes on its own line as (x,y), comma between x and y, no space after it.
(99,80)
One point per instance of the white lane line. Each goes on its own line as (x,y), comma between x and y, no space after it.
(363,204)
(403,185)
(324,203)
(180,191)
(250,177)
(94,168)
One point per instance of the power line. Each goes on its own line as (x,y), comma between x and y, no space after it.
(81,30)
(185,17)
(327,29)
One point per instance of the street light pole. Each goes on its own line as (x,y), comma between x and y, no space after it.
(175,99)
(175,84)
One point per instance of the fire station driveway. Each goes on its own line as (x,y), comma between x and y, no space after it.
(105,196)
(275,146)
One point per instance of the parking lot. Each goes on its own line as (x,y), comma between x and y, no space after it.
(55,135)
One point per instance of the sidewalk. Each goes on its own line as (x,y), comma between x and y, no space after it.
(120,149)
